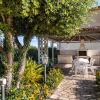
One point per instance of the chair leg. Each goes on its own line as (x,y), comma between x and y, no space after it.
(75,71)
(72,68)
(92,70)
(86,72)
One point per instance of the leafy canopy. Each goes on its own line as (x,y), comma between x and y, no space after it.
(66,16)
(49,17)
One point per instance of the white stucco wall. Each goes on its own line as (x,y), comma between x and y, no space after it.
(67,50)
(76,46)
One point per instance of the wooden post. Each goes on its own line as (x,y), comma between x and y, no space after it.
(52,52)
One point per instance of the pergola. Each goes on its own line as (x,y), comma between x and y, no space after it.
(89,32)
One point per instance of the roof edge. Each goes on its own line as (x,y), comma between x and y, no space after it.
(95,8)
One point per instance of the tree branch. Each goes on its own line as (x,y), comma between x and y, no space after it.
(1,48)
(3,18)
(17,42)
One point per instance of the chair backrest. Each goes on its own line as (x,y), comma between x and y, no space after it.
(78,63)
(80,66)
(75,61)
(92,61)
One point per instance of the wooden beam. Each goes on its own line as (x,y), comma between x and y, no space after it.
(92,37)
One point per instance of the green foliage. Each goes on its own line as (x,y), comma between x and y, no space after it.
(54,78)
(3,62)
(66,16)
(19,7)
(32,72)
(98,73)
(15,69)
(98,83)
(30,7)
(98,76)
(16,54)
(2,67)
(48,17)
(30,84)
(33,53)
(41,18)
(32,78)
(4,27)
(15,94)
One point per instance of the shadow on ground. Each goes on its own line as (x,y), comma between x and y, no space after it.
(85,90)
(76,87)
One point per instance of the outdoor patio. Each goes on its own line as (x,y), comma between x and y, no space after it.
(65,62)
(75,87)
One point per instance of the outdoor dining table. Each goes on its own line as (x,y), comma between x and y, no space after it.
(82,64)
(83,60)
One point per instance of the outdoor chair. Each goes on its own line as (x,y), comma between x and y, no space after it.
(90,66)
(80,68)
(73,64)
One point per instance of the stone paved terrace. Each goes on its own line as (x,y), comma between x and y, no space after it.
(75,87)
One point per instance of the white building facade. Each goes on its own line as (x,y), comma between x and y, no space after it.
(69,49)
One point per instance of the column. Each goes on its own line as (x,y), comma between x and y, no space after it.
(52,46)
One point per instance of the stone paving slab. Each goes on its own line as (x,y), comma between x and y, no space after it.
(75,88)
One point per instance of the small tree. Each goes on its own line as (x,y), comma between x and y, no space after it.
(9,10)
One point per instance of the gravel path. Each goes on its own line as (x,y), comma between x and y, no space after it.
(76,88)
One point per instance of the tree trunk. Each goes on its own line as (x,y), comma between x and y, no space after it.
(9,70)
(22,58)
(21,69)
(8,48)
(9,55)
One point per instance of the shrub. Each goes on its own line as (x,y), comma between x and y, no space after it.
(30,84)
(33,53)
(2,64)
(54,77)
(32,78)
(98,83)
(33,72)
(98,76)
(2,68)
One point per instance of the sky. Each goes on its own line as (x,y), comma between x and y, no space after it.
(34,41)
(98,2)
